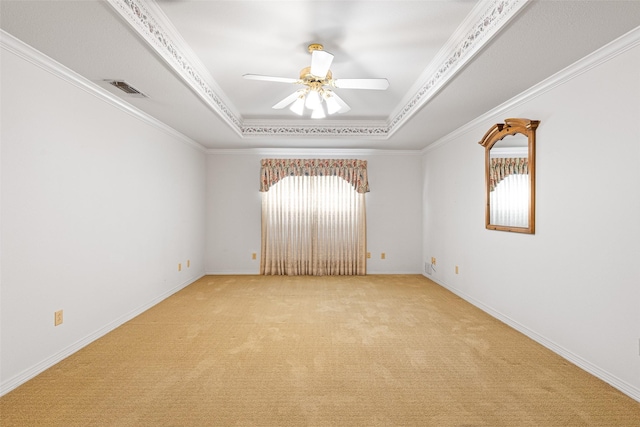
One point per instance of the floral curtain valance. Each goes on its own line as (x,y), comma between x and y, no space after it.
(353,171)
(502,167)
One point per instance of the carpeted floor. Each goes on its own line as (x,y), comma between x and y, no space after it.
(316,351)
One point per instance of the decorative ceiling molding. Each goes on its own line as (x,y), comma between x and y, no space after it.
(324,131)
(609,51)
(156,30)
(479,28)
(485,21)
(293,153)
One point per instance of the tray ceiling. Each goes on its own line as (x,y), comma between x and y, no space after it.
(447,61)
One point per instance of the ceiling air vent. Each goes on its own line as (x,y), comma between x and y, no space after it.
(126,87)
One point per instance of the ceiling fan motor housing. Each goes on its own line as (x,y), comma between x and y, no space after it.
(307,78)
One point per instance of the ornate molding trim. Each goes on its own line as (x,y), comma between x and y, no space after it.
(485,22)
(166,43)
(323,152)
(458,52)
(293,130)
(594,59)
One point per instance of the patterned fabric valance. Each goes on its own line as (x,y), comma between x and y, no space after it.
(353,171)
(502,167)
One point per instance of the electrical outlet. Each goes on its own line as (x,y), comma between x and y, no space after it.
(57,318)
(433,260)
(383,256)
(254,255)
(188,263)
(457,269)
(368,254)
(179,266)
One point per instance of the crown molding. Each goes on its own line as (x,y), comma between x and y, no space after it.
(37,58)
(147,19)
(302,152)
(370,129)
(609,51)
(321,131)
(482,24)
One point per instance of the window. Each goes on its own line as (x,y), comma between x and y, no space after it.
(313,224)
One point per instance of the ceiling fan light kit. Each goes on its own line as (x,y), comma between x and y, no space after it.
(317,80)
(298,105)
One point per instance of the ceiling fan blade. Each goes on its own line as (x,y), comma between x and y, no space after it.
(375,84)
(270,78)
(288,100)
(320,63)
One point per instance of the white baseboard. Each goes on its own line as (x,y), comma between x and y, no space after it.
(626,388)
(32,372)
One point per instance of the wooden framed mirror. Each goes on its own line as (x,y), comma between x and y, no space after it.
(510,172)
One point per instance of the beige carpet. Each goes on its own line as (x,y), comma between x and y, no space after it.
(316,351)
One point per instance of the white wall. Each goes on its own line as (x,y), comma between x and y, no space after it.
(394,209)
(574,285)
(98,208)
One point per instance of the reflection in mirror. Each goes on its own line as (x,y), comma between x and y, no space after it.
(510,175)
(509,182)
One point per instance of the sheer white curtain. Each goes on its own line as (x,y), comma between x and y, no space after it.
(509,201)
(313,225)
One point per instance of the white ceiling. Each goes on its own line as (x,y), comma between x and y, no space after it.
(447,61)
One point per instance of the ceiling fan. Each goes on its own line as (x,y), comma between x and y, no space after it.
(317,81)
